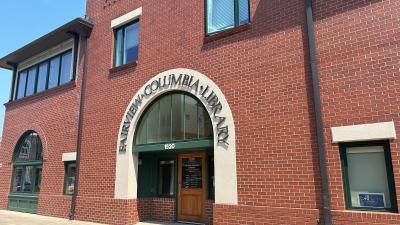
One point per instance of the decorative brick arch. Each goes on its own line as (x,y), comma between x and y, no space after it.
(211,96)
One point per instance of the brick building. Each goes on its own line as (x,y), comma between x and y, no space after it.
(216,112)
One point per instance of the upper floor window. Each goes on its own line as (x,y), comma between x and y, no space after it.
(44,75)
(126,43)
(226,14)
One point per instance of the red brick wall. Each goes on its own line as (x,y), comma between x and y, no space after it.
(53,115)
(164,209)
(276,152)
(264,75)
(358,45)
(157,209)
(261,215)
(106,210)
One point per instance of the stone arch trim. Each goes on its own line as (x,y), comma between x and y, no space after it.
(211,96)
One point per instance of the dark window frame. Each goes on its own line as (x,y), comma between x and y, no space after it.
(210,172)
(37,66)
(67,166)
(389,174)
(143,117)
(122,50)
(236,17)
(35,164)
(175,178)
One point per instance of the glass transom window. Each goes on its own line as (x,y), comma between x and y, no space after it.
(174,117)
(226,14)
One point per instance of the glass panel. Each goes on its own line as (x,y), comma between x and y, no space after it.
(174,117)
(30,87)
(191,129)
(27,179)
(30,148)
(211,180)
(131,42)
(243,11)
(220,15)
(177,116)
(17,181)
(54,71)
(42,76)
(165,118)
(38,178)
(368,177)
(153,124)
(192,173)
(70,179)
(166,178)
(118,47)
(21,84)
(66,61)
(141,137)
(205,126)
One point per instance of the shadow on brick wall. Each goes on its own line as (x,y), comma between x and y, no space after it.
(274,16)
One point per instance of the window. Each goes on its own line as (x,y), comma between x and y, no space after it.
(226,14)
(69,181)
(166,178)
(30,86)
(53,72)
(368,176)
(174,117)
(65,75)
(21,84)
(42,77)
(27,163)
(126,44)
(48,74)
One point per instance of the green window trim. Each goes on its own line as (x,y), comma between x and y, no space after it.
(389,172)
(27,155)
(177,124)
(72,51)
(150,176)
(175,178)
(237,21)
(69,178)
(121,50)
(179,145)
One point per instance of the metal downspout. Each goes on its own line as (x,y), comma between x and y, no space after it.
(318,116)
(80,125)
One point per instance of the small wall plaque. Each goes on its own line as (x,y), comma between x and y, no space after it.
(372,200)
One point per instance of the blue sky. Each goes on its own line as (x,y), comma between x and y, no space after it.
(23,21)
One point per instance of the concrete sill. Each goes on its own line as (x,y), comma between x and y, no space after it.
(226,33)
(123,67)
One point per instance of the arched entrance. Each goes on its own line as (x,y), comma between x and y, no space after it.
(174,140)
(27,173)
(204,91)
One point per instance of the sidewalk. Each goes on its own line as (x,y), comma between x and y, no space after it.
(17,218)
